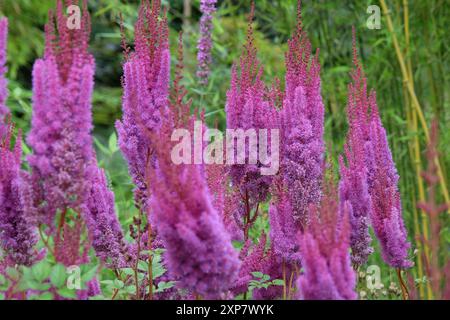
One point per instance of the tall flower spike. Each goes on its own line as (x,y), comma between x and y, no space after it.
(302,121)
(387,220)
(199,250)
(247,107)
(17,231)
(382,177)
(60,134)
(3,82)
(353,187)
(146,90)
(102,223)
(328,274)
(204,46)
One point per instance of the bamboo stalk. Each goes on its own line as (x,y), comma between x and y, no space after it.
(415,100)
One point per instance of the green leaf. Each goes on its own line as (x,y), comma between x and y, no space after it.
(257,274)
(101,147)
(45,296)
(58,275)
(265,277)
(41,271)
(89,275)
(13,273)
(67,293)
(118,284)
(278,282)
(112,143)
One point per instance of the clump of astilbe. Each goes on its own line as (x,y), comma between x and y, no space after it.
(204,46)
(247,107)
(324,245)
(104,228)
(146,90)
(3,82)
(438,275)
(60,134)
(302,121)
(17,231)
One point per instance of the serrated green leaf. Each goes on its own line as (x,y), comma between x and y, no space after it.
(118,284)
(257,274)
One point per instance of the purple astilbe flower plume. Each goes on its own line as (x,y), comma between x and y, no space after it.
(302,121)
(3,82)
(353,187)
(324,245)
(17,231)
(104,228)
(146,90)
(248,107)
(60,133)
(199,252)
(204,46)
(387,220)
(382,178)
(283,231)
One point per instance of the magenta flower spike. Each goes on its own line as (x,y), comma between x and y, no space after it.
(367,132)
(353,187)
(324,245)
(248,107)
(17,230)
(387,220)
(3,82)
(204,46)
(60,134)
(146,91)
(103,225)
(199,253)
(302,121)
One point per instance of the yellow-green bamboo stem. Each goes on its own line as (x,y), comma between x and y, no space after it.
(412,93)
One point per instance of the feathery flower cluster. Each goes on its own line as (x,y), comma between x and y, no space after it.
(283,231)
(3,82)
(302,120)
(353,187)
(204,46)
(146,90)
(62,121)
(387,220)
(199,251)
(247,107)
(367,132)
(17,231)
(328,274)
(102,223)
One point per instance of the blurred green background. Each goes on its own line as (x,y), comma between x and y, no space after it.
(329,25)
